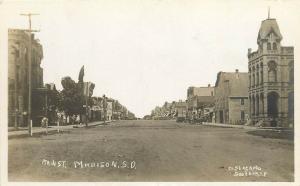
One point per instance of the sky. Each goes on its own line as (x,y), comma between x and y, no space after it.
(144,53)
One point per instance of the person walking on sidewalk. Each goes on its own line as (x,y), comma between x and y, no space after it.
(44,123)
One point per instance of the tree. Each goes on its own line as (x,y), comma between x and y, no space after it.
(72,96)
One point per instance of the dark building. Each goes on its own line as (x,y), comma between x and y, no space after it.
(18,77)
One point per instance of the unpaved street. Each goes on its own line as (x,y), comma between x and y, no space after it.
(151,151)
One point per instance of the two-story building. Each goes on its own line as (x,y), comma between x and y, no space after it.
(231,97)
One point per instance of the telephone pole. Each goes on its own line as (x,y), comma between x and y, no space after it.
(86,103)
(29,71)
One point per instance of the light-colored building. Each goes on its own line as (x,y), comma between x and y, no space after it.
(271,77)
(109,110)
(231,97)
(18,77)
(181,110)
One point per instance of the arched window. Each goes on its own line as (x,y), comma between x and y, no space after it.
(253,77)
(291,72)
(274,46)
(261,73)
(262,103)
(257,78)
(257,75)
(253,106)
(257,106)
(261,77)
(249,80)
(249,77)
(272,71)
(250,105)
(269,46)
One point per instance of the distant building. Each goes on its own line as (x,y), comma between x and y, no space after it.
(116,110)
(181,110)
(109,111)
(271,77)
(198,98)
(18,77)
(147,117)
(205,108)
(96,109)
(45,103)
(231,97)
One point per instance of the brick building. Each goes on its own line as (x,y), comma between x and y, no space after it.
(271,77)
(18,78)
(231,97)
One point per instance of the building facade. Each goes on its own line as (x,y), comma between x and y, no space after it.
(181,110)
(231,97)
(271,78)
(18,77)
(198,98)
(109,110)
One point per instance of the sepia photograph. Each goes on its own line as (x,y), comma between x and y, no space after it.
(148,91)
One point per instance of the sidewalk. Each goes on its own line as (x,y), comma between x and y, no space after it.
(23,131)
(247,127)
(230,126)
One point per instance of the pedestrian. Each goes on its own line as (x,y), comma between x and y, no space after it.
(77,119)
(73,119)
(44,123)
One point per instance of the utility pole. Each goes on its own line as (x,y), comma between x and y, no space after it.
(86,103)
(16,103)
(29,71)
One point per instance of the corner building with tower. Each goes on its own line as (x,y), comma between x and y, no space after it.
(271,79)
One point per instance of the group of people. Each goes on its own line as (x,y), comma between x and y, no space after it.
(62,119)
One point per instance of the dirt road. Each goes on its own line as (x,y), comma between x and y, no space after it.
(151,151)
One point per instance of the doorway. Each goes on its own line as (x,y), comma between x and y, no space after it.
(273,108)
(221,117)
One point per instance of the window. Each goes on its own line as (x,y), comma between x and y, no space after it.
(272,71)
(257,78)
(269,46)
(274,46)
(249,80)
(17,53)
(261,77)
(242,101)
(291,72)
(261,73)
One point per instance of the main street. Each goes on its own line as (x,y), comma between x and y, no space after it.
(145,150)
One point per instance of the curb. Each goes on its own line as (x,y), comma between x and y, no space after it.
(52,131)
(230,126)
